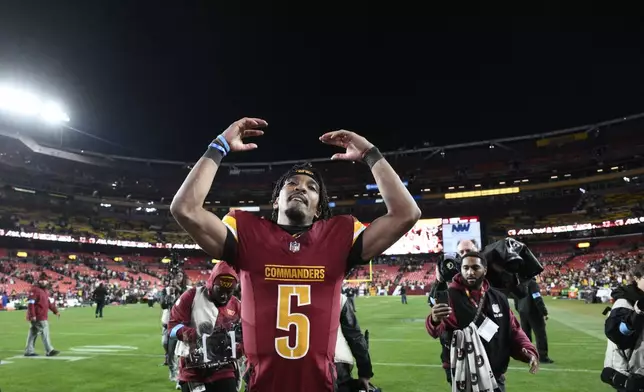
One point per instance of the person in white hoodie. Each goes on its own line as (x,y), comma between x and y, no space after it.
(624,360)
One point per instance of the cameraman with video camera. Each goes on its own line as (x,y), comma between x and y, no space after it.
(624,361)
(206,321)
(174,287)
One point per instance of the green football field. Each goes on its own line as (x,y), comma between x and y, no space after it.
(123,352)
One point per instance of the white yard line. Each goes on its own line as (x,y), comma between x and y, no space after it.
(390,364)
(580,323)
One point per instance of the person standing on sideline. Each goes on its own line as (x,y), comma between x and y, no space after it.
(533,313)
(37,310)
(476,311)
(403,294)
(99,297)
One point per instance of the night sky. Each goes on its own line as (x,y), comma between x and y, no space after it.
(163,78)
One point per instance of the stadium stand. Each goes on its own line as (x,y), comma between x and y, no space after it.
(103,206)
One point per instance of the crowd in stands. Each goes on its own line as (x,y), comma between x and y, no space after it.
(76,278)
(605,263)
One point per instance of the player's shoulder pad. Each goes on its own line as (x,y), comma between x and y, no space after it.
(230,221)
(358,228)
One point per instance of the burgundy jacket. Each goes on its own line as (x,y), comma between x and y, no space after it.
(519,338)
(38,304)
(180,326)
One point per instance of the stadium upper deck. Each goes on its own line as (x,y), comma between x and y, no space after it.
(552,166)
(578,152)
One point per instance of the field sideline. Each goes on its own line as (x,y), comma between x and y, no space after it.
(123,352)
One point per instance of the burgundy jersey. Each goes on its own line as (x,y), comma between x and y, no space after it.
(291,299)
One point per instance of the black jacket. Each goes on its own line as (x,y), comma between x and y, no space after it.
(100,293)
(623,326)
(532,303)
(356,340)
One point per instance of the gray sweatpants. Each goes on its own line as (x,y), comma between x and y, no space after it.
(38,328)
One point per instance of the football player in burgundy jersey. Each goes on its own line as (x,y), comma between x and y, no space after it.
(292,267)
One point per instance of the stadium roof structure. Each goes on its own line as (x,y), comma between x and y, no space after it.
(553,137)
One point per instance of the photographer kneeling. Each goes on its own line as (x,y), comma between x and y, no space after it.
(206,321)
(624,361)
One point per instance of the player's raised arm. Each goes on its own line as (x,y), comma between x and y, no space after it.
(402,210)
(208,231)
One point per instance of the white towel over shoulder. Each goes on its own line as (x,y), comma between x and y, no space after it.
(471,370)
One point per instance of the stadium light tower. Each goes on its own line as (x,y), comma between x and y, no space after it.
(20,102)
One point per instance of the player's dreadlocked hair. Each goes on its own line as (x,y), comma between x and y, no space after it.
(324,211)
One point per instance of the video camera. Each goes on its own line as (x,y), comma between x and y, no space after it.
(510,266)
(623,382)
(176,264)
(449,266)
(216,346)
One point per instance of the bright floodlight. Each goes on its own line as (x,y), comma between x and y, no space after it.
(24,103)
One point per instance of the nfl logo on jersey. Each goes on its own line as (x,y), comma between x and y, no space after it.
(294,246)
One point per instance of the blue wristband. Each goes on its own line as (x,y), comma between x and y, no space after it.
(219,147)
(223,141)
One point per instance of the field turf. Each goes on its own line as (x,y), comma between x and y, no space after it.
(123,352)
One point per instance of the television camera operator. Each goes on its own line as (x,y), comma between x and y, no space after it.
(624,327)
(534,314)
(206,321)
(175,285)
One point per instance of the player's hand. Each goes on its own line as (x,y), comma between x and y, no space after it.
(365,382)
(534,362)
(355,144)
(242,129)
(440,312)
(58,315)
